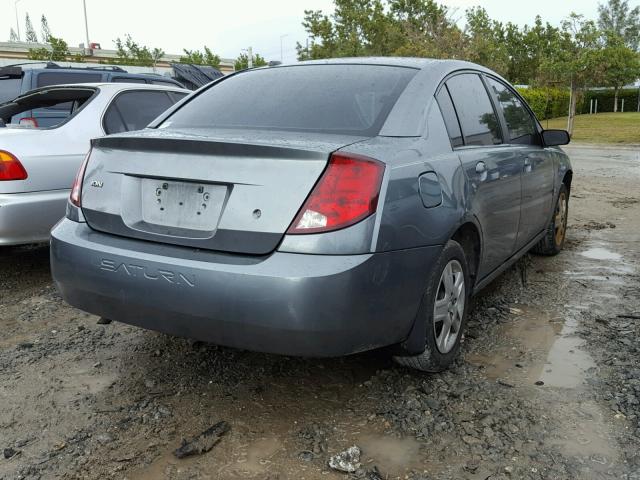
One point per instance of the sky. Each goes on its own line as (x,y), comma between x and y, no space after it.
(229,26)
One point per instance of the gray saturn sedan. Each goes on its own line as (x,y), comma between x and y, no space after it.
(317,209)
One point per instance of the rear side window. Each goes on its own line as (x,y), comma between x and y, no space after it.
(9,88)
(128,80)
(134,110)
(350,99)
(449,117)
(163,83)
(478,120)
(520,124)
(177,96)
(57,78)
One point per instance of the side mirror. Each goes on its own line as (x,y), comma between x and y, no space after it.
(553,138)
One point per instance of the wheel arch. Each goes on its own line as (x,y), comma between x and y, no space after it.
(468,234)
(567,179)
(469,237)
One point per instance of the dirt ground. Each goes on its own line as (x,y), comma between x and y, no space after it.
(547,386)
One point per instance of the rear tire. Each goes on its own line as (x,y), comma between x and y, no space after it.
(553,241)
(444,308)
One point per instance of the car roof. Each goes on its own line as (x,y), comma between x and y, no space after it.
(411,62)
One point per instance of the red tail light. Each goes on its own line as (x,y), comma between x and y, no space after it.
(10,167)
(29,122)
(346,193)
(76,188)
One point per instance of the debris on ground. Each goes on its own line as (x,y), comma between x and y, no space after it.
(347,461)
(10,452)
(203,442)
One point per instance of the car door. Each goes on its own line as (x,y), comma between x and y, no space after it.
(135,109)
(493,169)
(522,134)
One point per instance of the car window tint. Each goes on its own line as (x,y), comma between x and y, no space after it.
(520,124)
(350,99)
(128,80)
(9,88)
(163,83)
(177,96)
(56,78)
(478,120)
(135,110)
(449,117)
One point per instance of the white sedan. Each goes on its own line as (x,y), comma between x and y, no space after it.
(38,164)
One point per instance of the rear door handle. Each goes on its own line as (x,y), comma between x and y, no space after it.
(527,164)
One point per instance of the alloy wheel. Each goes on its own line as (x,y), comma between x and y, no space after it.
(560,220)
(448,310)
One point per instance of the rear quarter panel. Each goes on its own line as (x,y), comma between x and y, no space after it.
(404,221)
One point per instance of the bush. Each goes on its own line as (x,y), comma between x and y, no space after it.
(548,102)
(606,98)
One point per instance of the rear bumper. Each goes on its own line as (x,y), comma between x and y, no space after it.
(28,217)
(293,304)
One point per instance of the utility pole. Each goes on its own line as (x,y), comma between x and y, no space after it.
(250,57)
(86,27)
(17,20)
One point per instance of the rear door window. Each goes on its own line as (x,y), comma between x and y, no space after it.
(449,116)
(57,78)
(478,120)
(134,110)
(521,125)
(62,110)
(9,88)
(128,80)
(348,99)
(163,83)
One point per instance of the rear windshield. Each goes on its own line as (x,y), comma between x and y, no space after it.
(351,99)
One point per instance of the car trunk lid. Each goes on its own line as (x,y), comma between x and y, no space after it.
(228,190)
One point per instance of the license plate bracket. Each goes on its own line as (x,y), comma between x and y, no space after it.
(182,205)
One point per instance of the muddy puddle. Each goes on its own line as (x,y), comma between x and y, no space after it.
(539,347)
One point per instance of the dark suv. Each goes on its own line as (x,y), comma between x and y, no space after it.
(18,79)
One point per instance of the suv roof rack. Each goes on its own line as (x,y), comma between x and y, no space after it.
(47,64)
(112,68)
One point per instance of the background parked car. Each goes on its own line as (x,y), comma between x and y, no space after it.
(37,164)
(322,208)
(18,79)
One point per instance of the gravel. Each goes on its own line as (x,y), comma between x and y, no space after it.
(547,385)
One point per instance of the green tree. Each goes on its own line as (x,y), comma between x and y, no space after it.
(197,57)
(424,28)
(30,33)
(242,62)
(526,48)
(486,41)
(130,52)
(58,50)
(573,59)
(13,36)
(376,27)
(45,32)
(615,17)
(619,65)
